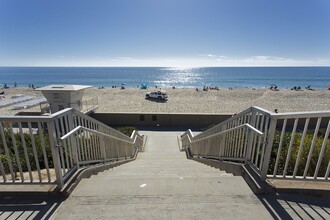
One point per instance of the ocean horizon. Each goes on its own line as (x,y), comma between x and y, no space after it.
(166,77)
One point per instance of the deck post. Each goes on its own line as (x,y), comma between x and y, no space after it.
(269,146)
(250,137)
(55,153)
(102,145)
(73,140)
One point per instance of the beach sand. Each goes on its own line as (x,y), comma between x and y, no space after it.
(188,100)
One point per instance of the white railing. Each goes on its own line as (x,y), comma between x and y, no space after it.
(217,146)
(50,148)
(302,146)
(288,145)
(86,105)
(96,147)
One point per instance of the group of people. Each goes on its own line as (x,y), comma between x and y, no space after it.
(273,87)
(31,86)
(295,88)
(206,88)
(7,87)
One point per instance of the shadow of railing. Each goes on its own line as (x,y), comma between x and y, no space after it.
(295,206)
(32,207)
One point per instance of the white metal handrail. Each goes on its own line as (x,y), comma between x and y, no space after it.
(75,130)
(105,128)
(229,135)
(229,130)
(89,152)
(32,148)
(217,145)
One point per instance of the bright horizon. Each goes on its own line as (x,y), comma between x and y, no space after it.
(164,33)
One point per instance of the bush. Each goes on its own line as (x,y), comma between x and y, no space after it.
(22,154)
(303,156)
(126,130)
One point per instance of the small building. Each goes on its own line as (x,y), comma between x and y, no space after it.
(60,97)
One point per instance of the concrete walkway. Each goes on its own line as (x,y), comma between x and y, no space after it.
(162,184)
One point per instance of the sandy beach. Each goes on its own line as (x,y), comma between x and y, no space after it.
(188,100)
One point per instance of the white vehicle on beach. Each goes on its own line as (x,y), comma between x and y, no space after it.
(160,95)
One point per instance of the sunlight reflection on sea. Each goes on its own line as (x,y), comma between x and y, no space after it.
(180,77)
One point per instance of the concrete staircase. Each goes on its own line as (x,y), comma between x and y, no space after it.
(162,184)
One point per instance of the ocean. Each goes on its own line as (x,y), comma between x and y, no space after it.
(164,77)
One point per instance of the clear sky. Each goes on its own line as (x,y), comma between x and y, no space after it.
(164,32)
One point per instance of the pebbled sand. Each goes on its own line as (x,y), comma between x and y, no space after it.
(188,100)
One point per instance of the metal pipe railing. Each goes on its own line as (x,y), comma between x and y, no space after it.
(306,155)
(44,149)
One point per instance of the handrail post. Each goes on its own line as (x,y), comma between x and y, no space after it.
(268,150)
(102,145)
(250,137)
(55,153)
(222,141)
(73,140)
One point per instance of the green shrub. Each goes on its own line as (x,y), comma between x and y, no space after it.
(303,156)
(126,130)
(29,151)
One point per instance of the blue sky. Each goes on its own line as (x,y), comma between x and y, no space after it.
(164,33)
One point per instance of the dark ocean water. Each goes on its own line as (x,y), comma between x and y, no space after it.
(240,77)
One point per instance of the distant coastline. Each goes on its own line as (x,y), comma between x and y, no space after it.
(166,77)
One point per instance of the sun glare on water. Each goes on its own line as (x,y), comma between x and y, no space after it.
(179,77)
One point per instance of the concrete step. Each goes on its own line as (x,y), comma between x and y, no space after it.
(162,174)
(164,207)
(178,173)
(169,167)
(233,185)
(162,168)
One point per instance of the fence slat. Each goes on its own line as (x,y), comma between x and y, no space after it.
(3,173)
(326,176)
(264,143)
(88,156)
(43,146)
(25,151)
(252,121)
(290,147)
(311,149)
(279,147)
(92,141)
(261,128)
(69,144)
(255,140)
(10,165)
(73,141)
(65,147)
(300,148)
(35,154)
(96,143)
(324,144)
(18,160)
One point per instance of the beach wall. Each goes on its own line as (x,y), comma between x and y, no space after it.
(183,120)
(160,119)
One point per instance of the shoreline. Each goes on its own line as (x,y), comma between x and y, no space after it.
(165,88)
(188,100)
